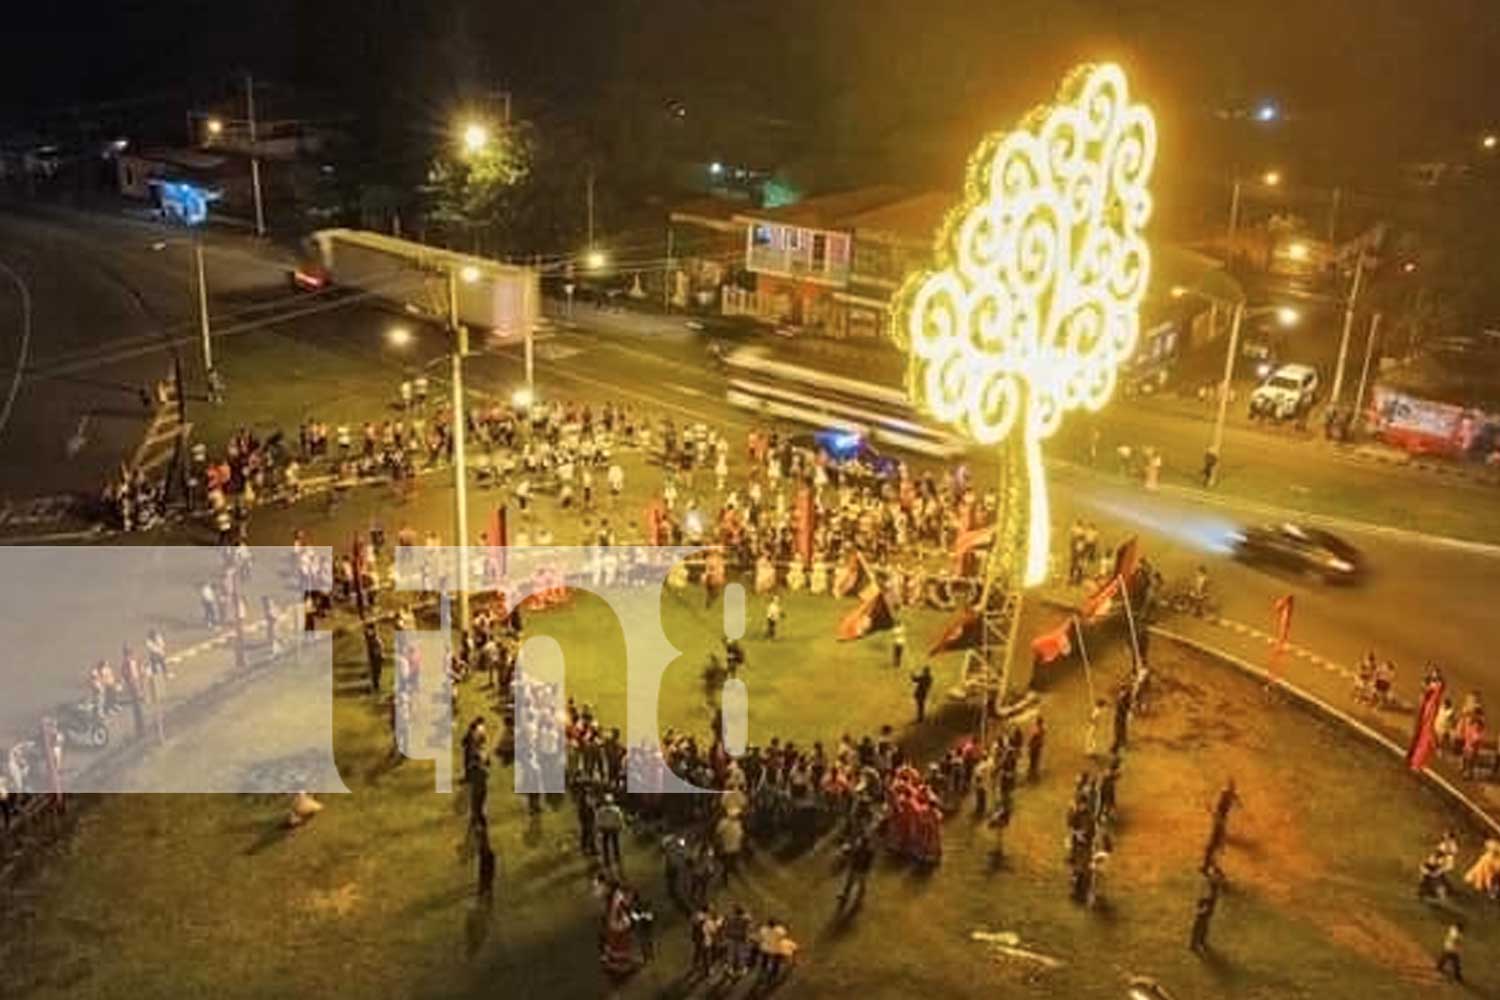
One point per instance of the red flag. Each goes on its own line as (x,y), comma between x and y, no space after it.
(1127,557)
(1424,738)
(872,615)
(806,523)
(499,537)
(1283,609)
(849,577)
(964,631)
(656,522)
(1053,645)
(1097,604)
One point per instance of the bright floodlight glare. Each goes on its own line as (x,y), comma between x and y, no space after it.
(521,398)
(1297,251)
(215,126)
(398,336)
(1266,112)
(476,137)
(1287,316)
(595,259)
(469,274)
(716,168)
(1490,141)
(1178,291)
(1271,178)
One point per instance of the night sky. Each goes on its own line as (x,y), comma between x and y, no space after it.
(1396,77)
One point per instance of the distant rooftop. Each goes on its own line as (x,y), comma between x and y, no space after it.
(829,211)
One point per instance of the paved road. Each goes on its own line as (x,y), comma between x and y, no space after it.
(1420,602)
(102,299)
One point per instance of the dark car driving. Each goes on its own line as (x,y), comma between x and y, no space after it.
(1300,549)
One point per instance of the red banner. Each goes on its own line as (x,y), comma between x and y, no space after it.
(1424,738)
(1054,644)
(806,524)
(872,615)
(964,631)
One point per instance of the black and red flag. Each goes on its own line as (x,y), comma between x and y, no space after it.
(872,615)
(964,630)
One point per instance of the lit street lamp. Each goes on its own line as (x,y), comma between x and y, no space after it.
(1270,179)
(595,259)
(1285,315)
(476,137)
(1490,140)
(398,336)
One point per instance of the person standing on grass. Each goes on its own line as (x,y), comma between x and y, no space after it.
(1208,902)
(1034,746)
(773,616)
(156,653)
(487,863)
(1449,962)
(898,644)
(982,778)
(610,821)
(860,858)
(1091,729)
(374,656)
(1228,799)
(1122,719)
(921,687)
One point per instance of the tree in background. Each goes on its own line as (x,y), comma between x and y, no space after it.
(476,195)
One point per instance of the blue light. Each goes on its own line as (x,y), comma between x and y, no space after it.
(183,202)
(841,444)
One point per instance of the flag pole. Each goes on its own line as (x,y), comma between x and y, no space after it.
(1083,652)
(1135,642)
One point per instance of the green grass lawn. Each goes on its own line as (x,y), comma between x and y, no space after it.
(206,896)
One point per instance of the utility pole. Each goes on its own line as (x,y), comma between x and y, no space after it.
(1333,216)
(530,332)
(1223,415)
(1364,370)
(1338,371)
(591,206)
(1234,220)
(260,214)
(460,345)
(201,277)
(670,274)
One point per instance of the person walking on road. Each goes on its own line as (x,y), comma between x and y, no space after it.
(1449,962)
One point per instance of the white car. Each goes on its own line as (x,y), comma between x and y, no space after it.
(1289,392)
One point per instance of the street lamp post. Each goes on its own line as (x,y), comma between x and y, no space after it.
(1286,315)
(200,276)
(459,344)
(1364,370)
(1338,371)
(1217,447)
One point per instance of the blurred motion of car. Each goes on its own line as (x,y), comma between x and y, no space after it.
(1300,549)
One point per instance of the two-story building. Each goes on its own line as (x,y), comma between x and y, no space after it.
(802,255)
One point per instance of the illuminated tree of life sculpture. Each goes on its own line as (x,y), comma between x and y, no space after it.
(1034,303)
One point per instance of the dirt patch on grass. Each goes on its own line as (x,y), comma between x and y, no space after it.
(339,902)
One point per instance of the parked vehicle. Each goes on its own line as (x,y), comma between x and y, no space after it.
(1290,392)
